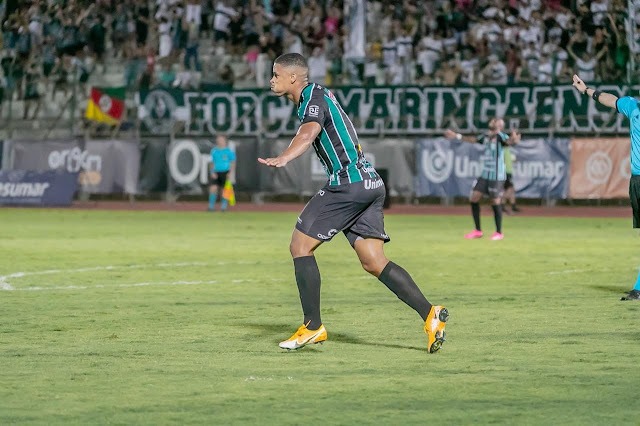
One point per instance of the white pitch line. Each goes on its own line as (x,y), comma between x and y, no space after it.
(568,271)
(142,284)
(6,286)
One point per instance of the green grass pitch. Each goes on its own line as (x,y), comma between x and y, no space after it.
(174,318)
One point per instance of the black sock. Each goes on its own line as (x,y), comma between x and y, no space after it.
(400,282)
(497,213)
(475,211)
(308,280)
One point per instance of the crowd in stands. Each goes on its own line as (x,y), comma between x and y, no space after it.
(51,48)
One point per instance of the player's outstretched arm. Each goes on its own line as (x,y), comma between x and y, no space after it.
(450,134)
(604,98)
(307,133)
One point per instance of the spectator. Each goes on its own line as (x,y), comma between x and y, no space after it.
(586,64)
(31,93)
(495,72)
(318,66)
(222,20)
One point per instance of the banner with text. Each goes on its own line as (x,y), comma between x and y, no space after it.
(188,162)
(448,168)
(407,110)
(49,188)
(102,166)
(600,168)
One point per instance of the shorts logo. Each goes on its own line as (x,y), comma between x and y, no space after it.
(314,110)
(329,235)
(373,184)
(299,221)
(321,192)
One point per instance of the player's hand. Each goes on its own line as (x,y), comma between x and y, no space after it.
(579,84)
(214,175)
(450,134)
(273,162)
(515,136)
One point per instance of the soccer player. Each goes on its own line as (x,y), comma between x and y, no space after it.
(491,181)
(631,109)
(351,202)
(223,163)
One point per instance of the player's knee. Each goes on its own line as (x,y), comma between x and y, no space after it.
(299,250)
(373,266)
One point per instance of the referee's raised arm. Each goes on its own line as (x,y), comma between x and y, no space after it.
(604,98)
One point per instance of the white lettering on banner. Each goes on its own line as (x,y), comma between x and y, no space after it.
(467,168)
(599,167)
(34,189)
(437,165)
(390,110)
(75,160)
(199,162)
(539,169)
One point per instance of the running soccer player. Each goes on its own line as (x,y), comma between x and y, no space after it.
(491,181)
(631,109)
(351,202)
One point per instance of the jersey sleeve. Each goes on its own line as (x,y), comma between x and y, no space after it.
(503,137)
(316,110)
(626,105)
(232,156)
(480,139)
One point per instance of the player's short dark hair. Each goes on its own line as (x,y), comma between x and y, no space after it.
(292,60)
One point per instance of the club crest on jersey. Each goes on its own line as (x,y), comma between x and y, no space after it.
(314,110)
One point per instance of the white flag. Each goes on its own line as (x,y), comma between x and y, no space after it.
(355,18)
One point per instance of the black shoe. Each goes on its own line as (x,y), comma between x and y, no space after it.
(632,295)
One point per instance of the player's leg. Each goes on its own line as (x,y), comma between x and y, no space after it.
(373,260)
(314,226)
(495,193)
(222,180)
(634,196)
(371,255)
(507,198)
(367,237)
(308,281)
(479,188)
(213,194)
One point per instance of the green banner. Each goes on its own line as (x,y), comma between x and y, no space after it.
(412,110)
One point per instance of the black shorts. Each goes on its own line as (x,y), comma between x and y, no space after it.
(508,183)
(492,188)
(355,209)
(634,195)
(219,180)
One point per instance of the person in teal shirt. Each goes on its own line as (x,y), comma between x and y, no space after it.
(631,109)
(223,163)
